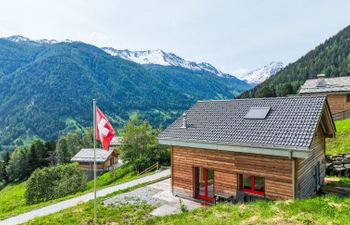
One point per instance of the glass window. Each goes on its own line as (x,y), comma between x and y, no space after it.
(348,98)
(201,181)
(252,184)
(247,184)
(204,181)
(210,182)
(259,184)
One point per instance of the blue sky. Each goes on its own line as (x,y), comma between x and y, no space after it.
(231,35)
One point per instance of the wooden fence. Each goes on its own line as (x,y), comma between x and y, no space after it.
(151,168)
(342,115)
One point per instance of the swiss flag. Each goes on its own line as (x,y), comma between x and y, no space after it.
(104,130)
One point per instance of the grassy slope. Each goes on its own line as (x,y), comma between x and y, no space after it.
(12,200)
(327,209)
(340,144)
(83,213)
(319,210)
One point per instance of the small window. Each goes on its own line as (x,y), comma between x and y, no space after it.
(252,184)
(348,98)
(257,113)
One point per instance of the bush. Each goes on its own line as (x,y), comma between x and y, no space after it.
(54,182)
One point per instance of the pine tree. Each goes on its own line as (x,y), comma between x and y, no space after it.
(62,151)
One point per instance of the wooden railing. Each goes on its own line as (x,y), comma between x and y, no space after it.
(151,168)
(342,115)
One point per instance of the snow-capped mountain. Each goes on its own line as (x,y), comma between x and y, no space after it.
(259,75)
(18,38)
(160,57)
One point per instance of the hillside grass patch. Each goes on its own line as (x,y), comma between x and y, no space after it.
(119,175)
(327,209)
(12,201)
(340,144)
(123,213)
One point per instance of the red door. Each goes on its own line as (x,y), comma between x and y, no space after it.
(204,183)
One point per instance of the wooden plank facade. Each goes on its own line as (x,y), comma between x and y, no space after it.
(88,167)
(312,171)
(338,101)
(110,161)
(227,166)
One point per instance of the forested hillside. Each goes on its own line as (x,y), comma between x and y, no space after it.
(331,58)
(47,89)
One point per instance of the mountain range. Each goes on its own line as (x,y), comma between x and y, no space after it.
(159,57)
(47,88)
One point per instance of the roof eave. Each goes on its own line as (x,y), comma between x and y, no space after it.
(86,160)
(284,151)
(323,91)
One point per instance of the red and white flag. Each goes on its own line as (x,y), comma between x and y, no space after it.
(104,130)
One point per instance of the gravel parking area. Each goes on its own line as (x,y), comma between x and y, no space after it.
(157,194)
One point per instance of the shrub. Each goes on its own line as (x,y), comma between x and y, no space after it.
(183,207)
(54,182)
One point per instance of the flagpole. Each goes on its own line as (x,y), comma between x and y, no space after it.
(94,133)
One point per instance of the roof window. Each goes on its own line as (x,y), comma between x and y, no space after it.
(257,113)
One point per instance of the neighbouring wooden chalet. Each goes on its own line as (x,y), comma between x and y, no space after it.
(116,141)
(105,160)
(270,148)
(337,90)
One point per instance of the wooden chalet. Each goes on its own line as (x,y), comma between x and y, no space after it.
(337,90)
(270,148)
(105,160)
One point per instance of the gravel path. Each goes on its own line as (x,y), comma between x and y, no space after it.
(158,194)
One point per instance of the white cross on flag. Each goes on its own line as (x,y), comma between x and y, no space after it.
(104,130)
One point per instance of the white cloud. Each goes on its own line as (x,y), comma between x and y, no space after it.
(236,34)
(96,38)
(98,35)
(4,32)
(240,73)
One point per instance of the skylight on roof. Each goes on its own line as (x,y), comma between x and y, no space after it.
(257,113)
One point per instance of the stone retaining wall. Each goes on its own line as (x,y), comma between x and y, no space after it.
(338,165)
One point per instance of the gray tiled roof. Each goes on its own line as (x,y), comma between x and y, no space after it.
(336,84)
(115,141)
(291,122)
(87,155)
